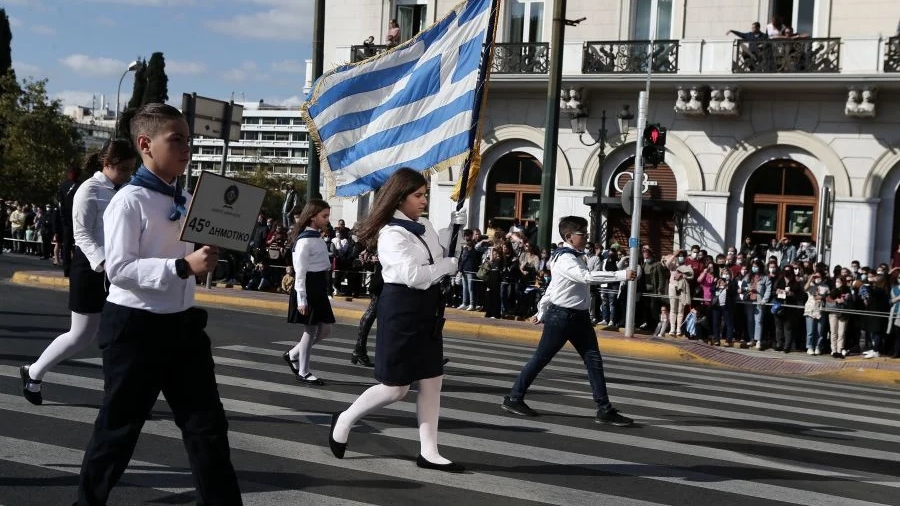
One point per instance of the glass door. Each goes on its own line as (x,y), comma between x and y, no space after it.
(641,25)
(526,21)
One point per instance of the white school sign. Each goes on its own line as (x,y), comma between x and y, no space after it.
(223,212)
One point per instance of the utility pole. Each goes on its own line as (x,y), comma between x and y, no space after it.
(551,132)
(634,240)
(313,169)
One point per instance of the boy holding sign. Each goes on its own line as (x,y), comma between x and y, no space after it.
(151,336)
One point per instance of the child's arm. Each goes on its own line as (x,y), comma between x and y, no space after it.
(570,268)
(301,265)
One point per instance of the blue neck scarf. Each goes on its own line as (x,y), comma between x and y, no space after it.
(146,179)
(565,249)
(309,234)
(412,226)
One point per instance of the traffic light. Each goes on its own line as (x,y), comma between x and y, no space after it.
(654,151)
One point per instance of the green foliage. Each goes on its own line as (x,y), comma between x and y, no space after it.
(140,84)
(274,184)
(39,142)
(157,90)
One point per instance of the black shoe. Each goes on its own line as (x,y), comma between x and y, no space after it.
(307,381)
(517,407)
(337,449)
(32,397)
(290,363)
(445,360)
(787,350)
(452,467)
(362,359)
(612,417)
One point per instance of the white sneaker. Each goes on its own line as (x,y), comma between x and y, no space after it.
(470,308)
(602,322)
(844,352)
(461,306)
(809,351)
(758,345)
(817,351)
(871,354)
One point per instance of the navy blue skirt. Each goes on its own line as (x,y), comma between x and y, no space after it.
(87,288)
(407,348)
(317,299)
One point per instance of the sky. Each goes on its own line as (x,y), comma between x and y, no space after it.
(254,49)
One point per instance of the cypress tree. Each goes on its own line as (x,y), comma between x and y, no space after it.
(5,43)
(157,83)
(140,84)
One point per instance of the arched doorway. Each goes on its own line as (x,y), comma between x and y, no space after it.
(513,190)
(782,201)
(659,209)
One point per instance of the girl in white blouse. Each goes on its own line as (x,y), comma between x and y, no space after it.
(408,343)
(308,304)
(111,168)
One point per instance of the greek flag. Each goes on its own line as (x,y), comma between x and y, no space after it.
(412,106)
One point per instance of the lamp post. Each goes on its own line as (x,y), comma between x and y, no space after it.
(131,68)
(579,126)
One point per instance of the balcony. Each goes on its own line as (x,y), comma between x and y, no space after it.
(519,58)
(786,56)
(629,57)
(362,51)
(892,55)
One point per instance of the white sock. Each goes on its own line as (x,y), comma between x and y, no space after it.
(377,396)
(83,330)
(428,407)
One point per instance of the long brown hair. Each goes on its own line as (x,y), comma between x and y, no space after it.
(312,208)
(400,185)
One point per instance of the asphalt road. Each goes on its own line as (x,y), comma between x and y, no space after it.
(703,436)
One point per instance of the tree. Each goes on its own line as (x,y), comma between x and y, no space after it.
(39,144)
(140,84)
(273,184)
(157,90)
(5,43)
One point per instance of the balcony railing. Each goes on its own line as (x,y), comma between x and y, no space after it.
(892,55)
(629,57)
(786,56)
(521,58)
(362,52)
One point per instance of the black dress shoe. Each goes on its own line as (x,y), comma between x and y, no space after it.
(361,359)
(290,363)
(32,397)
(310,380)
(452,467)
(445,360)
(337,449)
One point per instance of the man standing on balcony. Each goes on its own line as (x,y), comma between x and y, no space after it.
(754,34)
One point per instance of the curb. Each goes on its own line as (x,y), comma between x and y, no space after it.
(880,373)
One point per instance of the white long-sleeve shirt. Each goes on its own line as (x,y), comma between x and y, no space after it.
(142,245)
(88,205)
(404,259)
(310,255)
(570,283)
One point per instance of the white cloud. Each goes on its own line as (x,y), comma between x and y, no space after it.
(104,21)
(25,69)
(184,67)
(247,69)
(43,30)
(94,66)
(234,75)
(293,101)
(283,20)
(289,66)
(148,3)
(71,97)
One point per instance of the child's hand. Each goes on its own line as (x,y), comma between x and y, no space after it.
(535,321)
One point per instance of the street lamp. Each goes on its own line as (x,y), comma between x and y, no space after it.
(131,68)
(579,126)
(624,118)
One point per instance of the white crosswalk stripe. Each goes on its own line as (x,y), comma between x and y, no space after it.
(729,436)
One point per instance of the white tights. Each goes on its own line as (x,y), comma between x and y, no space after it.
(312,334)
(83,330)
(428,406)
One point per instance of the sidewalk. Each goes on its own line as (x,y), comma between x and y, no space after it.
(882,371)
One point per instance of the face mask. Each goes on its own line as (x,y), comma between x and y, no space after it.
(854,269)
(773,270)
(879,271)
(720,264)
(797,271)
(816,281)
(739,261)
(755,270)
(693,256)
(839,284)
(726,277)
(546,279)
(681,260)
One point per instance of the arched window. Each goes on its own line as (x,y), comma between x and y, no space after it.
(514,190)
(782,201)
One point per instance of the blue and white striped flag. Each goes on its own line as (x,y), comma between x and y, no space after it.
(412,106)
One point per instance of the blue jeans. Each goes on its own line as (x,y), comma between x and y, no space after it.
(563,325)
(758,320)
(468,289)
(723,317)
(608,305)
(816,330)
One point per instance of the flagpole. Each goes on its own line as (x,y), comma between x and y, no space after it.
(474,130)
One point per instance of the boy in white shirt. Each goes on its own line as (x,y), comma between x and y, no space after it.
(151,337)
(564,312)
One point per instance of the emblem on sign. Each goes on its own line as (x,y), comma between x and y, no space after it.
(231,195)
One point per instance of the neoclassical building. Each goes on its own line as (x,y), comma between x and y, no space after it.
(774,138)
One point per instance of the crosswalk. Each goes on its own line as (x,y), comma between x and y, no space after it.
(702,436)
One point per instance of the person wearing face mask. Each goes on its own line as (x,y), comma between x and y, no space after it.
(656,279)
(787,292)
(723,306)
(749,250)
(839,299)
(894,325)
(695,261)
(788,252)
(678,289)
(707,282)
(774,250)
(816,328)
(760,295)
(875,297)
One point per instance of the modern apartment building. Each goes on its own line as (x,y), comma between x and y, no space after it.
(782,137)
(273,137)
